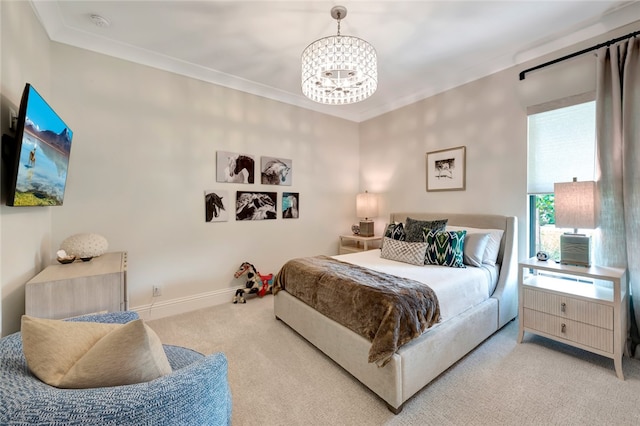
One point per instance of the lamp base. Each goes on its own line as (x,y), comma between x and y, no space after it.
(366,228)
(575,249)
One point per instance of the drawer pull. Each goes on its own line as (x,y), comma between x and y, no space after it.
(563,328)
(563,307)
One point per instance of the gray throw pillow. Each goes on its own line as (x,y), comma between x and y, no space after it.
(414,229)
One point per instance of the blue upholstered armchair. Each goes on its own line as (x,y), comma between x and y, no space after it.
(195,393)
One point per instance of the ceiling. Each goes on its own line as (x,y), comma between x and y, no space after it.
(424,47)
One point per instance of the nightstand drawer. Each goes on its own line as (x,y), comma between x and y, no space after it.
(597,314)
(585,334)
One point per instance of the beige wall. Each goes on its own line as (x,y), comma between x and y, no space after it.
(485,116)
(25,234)
(143,154)
(489,117)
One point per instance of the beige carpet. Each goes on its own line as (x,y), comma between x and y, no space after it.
(277,378)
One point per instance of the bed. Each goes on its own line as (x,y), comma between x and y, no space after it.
(468,314)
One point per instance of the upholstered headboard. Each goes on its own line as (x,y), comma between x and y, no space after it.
(507,289)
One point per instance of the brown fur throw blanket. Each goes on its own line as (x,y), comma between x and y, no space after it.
(388,310)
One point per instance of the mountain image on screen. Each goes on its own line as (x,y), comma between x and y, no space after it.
(61,141)
(43,146)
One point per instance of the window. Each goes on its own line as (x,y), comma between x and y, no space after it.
(562,139)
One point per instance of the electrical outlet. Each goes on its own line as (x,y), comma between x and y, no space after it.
(13,117)
(157,291)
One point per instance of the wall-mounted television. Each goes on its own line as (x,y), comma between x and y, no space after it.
(39,155)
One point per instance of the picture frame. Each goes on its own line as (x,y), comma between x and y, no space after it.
(275,171)
(234,167)
(256,205)
(446,169)
(216,205)
(290,205)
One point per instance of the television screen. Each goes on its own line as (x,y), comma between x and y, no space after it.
(42,148)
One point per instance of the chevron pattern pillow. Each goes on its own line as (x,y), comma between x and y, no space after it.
(445,248)
(403,251)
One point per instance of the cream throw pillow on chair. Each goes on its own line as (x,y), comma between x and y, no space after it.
(81,355)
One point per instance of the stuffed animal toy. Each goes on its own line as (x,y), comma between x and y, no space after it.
(256,283)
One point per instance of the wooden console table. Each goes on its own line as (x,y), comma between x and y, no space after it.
(79,288)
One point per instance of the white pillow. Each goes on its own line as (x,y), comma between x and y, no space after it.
(474,247)
(493,245)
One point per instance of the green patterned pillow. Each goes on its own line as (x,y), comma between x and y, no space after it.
(445,248)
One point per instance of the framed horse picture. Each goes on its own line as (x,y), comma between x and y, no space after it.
(275,171)
(216,206)
(446,169)
(256,205)
(290,203)
(234,167)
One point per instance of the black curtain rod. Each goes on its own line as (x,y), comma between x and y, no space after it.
(582,52)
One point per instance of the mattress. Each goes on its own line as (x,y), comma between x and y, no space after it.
(458,289)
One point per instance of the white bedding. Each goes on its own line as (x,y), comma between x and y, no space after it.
(458,289)
(420,361)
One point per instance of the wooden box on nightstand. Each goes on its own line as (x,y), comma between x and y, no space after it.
(356,243)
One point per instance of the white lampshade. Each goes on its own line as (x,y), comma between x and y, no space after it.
(366,205)
(575,205)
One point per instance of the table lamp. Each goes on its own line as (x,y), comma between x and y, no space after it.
(575,207)
(366,208)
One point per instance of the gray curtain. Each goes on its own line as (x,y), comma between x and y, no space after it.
(618,166)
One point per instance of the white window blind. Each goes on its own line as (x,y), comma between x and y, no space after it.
(561,146)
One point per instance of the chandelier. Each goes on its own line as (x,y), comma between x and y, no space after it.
(339,70)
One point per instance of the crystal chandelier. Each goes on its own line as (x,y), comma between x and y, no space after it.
(339,70)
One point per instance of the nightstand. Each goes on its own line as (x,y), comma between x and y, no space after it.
(356,243)
(585,307)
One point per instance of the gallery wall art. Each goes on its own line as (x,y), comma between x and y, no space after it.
(234,167)
(275,171)
(290,205)
(446,169)
(251,205)
(216,206)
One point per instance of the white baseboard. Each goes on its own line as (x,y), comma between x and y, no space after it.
(181,305)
